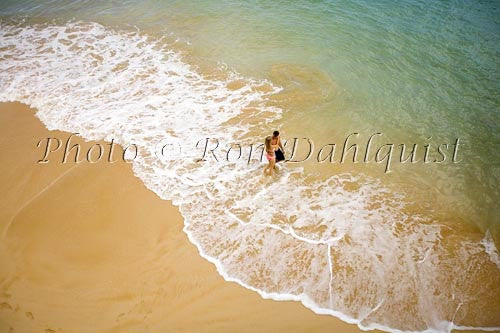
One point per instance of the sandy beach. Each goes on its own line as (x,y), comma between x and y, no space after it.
(384,214)
(88,248)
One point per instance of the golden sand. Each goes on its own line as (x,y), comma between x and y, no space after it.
(88,248)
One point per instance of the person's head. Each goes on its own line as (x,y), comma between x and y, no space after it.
(276,134)
(268,143)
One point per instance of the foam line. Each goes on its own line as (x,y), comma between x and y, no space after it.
(107,84)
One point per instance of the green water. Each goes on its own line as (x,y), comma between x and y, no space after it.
(408,69)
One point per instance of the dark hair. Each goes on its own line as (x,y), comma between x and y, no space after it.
(276,133)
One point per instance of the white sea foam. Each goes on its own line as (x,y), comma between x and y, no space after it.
(344,246)
(489,247)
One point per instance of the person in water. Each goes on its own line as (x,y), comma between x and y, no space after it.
(270,156)
(273,152)
(277,147)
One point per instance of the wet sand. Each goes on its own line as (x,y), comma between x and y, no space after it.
(88,248)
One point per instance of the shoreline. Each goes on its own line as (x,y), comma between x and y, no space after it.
(108,265)
(78,251)
(91,243)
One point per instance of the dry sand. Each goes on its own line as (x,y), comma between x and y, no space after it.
(87,248)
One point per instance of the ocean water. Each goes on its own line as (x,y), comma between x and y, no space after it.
(410,250)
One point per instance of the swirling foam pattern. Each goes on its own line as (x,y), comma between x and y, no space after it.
(344,246)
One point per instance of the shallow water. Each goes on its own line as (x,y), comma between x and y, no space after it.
(345,239)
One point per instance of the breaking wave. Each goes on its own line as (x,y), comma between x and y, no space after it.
(345,246)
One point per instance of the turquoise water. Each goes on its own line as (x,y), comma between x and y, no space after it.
(408,69)
(416,71)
